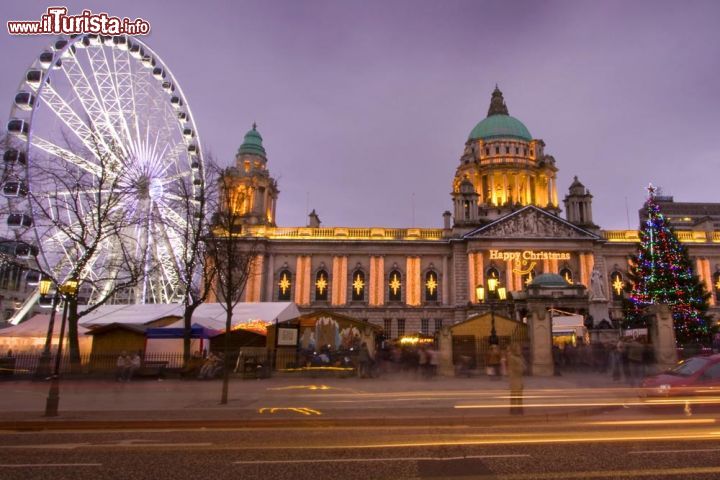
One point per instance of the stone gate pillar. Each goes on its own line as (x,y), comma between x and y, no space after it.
(541,342)
(446,367)
(663,336)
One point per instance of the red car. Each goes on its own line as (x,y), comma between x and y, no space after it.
(694,376)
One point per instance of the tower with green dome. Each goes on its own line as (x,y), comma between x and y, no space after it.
(255,192)
(507,168)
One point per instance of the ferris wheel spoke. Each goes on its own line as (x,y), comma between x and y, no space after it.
(126,95)
(105,82)
(94,143)
(92,106)
(78,161)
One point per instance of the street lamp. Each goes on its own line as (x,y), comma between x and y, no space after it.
(495,291)
(67,290)
(44,285)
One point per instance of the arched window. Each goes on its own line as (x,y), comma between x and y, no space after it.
(492,272)
(431,286)
(285,286)
(617,285)
(567,275)
(358,286)
(321,286)
(395,286)
(716,285)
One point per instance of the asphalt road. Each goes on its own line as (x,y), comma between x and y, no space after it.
(624,444)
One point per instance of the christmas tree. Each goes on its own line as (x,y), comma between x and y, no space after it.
(663,273)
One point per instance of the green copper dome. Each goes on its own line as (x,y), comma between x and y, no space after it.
(252,143)
(499,123)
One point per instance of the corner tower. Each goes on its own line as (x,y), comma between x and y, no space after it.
(507,168)
(255,192)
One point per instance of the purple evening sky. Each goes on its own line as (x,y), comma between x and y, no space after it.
(365,105)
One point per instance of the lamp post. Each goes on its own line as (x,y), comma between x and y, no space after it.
(43,369)
(68,289)
(495,291)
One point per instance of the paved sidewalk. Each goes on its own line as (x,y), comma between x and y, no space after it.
(320,399)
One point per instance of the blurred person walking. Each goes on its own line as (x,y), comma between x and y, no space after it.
(516,370)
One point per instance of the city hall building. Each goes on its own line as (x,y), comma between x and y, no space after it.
(506,223)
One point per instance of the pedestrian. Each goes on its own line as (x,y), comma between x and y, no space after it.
(133,366)
(121,366)
(493,362)
(516,370)
(423,362)
(635,360)
(433,361)
(364,360)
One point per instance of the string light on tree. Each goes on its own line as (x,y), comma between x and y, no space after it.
(662,272)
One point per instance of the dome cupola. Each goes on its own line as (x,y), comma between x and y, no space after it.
(252,143)
(499,123)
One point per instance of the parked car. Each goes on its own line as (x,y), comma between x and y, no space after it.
(694,376)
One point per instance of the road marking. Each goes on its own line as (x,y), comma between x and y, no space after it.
(393,459)
(122,444)
(48,465)
(654,473)
(695,450)
(655,422)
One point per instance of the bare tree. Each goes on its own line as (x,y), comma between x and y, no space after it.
(232,255)
(195,270)
(89,238)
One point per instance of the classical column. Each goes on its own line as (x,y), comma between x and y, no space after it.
(475,274)
(528,195)
(505,188)
(377,281)
(445,282)
(509,276)
(253,288)
(339,281)
(493,194)
(703,269)
(413,281)
(302,280)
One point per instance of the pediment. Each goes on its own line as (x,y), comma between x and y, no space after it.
(531,222)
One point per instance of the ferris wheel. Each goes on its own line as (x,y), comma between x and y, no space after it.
(102,119)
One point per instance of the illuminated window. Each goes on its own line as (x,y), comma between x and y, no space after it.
(431,286)
(567,275)
(358,286)
(425,326)
(617,285)
(285,286)
(716,285)
(400,327)
(395,286)
(321,286)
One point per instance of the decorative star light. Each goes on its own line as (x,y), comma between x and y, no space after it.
(321,284)
(431,284)
(618,285)
(395,284)
(358,284)
(284,284)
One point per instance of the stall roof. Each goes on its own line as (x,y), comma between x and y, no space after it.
(37,326)
(210,315)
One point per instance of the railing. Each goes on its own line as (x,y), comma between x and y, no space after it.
(350,233)
(685,236)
